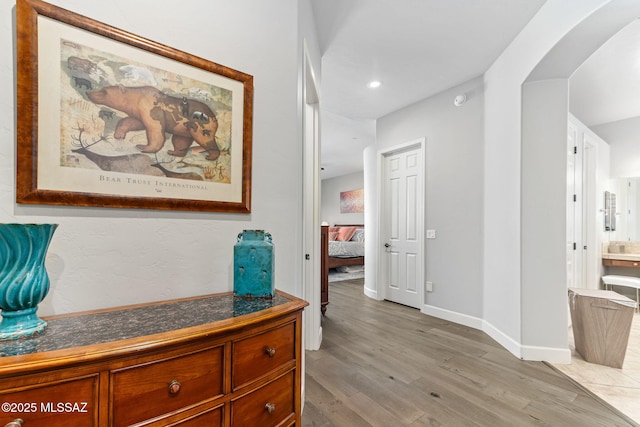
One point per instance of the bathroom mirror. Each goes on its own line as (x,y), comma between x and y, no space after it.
(609,211)
(627,209)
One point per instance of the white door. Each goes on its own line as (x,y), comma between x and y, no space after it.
(402,222)
(572,209)
(579,177)
(311,210)
(591,263)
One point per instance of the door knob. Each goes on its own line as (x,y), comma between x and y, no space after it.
(387,245)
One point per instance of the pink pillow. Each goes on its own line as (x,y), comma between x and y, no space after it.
(333,233)
(346,233)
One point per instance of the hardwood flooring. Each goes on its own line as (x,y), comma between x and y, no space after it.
(384,364)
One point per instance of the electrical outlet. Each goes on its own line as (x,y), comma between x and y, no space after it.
(429,286)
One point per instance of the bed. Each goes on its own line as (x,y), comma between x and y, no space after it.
(341,246)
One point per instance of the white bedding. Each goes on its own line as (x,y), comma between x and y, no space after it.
(338,248)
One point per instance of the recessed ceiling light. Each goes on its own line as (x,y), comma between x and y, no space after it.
(374,84)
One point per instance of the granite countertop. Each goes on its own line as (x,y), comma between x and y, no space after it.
(126,323)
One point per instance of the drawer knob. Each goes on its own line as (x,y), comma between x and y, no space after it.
(15,423)
(270,351)
(174,387)
(270,408)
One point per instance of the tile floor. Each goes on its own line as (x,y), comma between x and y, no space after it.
(619,387)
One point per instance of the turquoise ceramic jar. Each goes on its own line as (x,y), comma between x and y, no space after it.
(253,265)
(24,281)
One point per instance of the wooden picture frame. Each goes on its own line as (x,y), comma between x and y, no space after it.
(110,119)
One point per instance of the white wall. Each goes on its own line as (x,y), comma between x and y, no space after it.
(330,200)
(502,225)
(545,114)
(507,312)
(370,163)
(624,139)
(109,257)
(454,191)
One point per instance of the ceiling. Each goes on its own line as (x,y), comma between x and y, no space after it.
(418,48)
(606,87)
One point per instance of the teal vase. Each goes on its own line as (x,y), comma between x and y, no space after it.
(24,281)
(253,265)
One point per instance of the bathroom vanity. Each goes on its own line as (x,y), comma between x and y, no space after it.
(621,254)
(215,360)
(621,260)
(617,262)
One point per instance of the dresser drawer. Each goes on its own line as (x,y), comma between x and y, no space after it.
(255,356)
(266,406)
(211,417)
(69,403)
(148,390)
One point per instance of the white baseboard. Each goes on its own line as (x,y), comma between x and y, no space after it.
(547,354)
(452,316)
(525,352)
(371,293)
(528,352)
(501,338)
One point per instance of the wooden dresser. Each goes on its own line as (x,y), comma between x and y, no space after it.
(214,360)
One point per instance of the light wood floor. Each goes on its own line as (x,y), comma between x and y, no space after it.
(383,364)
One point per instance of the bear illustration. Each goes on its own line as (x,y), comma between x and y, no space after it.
(151,110)
(80,82)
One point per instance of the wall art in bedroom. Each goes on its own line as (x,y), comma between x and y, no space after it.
(352,201)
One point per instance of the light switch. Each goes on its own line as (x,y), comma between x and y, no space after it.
(431,234)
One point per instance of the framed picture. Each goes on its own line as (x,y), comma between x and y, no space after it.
(352,201)
(107,118)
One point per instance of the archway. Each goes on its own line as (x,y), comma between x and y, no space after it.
(545,102)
